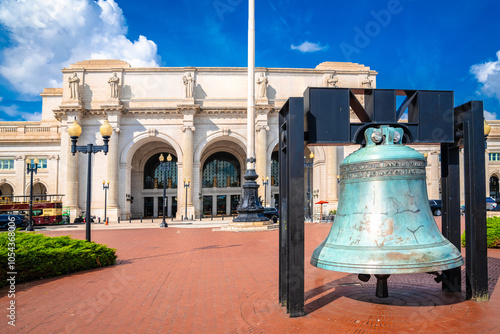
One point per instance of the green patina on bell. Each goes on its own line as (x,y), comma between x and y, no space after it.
(384,224)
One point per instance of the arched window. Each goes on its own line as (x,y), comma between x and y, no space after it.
(153,173)
(221,170)
(275,169)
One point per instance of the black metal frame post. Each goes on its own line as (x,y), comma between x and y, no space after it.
(292,216)
(450,222)
(89,149)
(470,124)
(31,170)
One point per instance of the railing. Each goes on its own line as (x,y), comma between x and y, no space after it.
(28,129)
(8,129)
(36,129)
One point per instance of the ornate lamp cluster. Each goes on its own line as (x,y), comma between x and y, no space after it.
(75,130)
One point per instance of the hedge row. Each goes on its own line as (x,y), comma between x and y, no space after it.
(493,232)
(38,256)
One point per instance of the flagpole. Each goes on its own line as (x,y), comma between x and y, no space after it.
(251,87)
(249,209)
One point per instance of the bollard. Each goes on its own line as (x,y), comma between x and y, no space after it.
(130,219)
(141,219)
(182,217)
(200,217)
(191,217)
(118,220)
(212,216)
(172,218)
(223,216)
(99,220)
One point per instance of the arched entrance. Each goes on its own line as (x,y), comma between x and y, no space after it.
(494,188)
(147,180)
(221,184)
(39,191)
(156,177)
(6,190)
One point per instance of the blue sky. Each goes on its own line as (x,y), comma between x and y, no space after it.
(443,45)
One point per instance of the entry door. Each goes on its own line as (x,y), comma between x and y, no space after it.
(148,206)
(160,206)
(174,206)
(207,205)
(235,201)
(221,205)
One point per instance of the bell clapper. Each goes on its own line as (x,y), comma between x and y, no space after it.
(439,277)
(364,277)
(382,291)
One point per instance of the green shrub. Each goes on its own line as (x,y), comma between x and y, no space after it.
(38,256)
(493,233)
(332,212)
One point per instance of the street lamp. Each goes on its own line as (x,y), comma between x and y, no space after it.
(164,167)
(265,183)
(31,169)
(75,130)
(309,165)
(105,187)
(186,185)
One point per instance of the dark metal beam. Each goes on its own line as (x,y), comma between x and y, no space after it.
(470,117)
(450,186)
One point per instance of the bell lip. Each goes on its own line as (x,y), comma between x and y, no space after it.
(403,268)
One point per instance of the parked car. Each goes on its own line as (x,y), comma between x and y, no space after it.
(436,206)
(490,203)
(272,213)
(19,220)
(81,217)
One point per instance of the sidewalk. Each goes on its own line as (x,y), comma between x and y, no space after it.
(136,223)
(194,280)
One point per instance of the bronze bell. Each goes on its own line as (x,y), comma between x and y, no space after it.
(384,224)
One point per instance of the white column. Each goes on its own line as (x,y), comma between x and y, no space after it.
(434,162)
(113,209)
(331,172)
(72,167)
(187,149)
(261,157)
(487,171)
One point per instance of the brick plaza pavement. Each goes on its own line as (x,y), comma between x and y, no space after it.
(198,281)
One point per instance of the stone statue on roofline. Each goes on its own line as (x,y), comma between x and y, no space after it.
(262,82)
(74,92)
(113,83)
(188,85)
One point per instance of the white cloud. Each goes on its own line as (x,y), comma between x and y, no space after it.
(489,116)
(13,111)
(49,35)
(488,74)
(308,47)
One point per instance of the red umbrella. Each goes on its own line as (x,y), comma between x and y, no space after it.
(321,214)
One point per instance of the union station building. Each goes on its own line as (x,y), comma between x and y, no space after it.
(195,117)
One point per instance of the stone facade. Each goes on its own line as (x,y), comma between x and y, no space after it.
(153,111)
